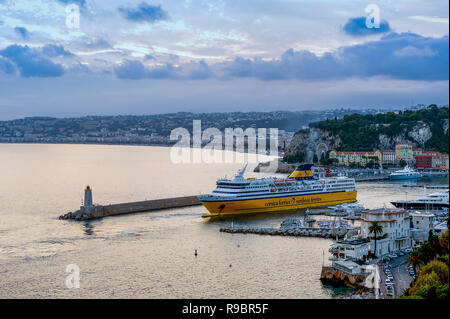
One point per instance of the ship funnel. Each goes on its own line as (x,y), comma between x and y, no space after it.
(303,172)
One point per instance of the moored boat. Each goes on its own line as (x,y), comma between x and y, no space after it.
(405,173)
(435,201)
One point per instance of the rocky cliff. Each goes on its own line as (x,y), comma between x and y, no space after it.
(312,141)
(427,128)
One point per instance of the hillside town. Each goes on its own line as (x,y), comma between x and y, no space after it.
(403,154)
(156,129)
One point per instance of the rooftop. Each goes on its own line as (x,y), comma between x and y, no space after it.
(352,242)
(385,211)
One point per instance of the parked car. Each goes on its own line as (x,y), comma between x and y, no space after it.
(387,282)
(400,253)
(408,250)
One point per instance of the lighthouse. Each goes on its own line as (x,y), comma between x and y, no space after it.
(87,197)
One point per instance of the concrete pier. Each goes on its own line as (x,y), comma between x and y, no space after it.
(90,211)
(298,232)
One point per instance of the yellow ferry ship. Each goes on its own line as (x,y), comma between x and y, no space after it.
(300,190)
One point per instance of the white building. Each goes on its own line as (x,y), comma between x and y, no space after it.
(396,229)
(388,156)
(422,221)
(419,235)
(350,249)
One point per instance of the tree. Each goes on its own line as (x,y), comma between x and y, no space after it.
(402,163)
(424,281)
(375,228)
(414,258)
(437,267)
(443,241)
(315,159)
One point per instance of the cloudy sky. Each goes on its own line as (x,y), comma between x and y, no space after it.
(145,57)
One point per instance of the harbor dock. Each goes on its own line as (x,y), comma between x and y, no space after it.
(89,211)
(300,227)
(299,232)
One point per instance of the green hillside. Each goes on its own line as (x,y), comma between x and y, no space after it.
(362,132)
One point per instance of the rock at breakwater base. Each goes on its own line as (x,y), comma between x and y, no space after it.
(338,278)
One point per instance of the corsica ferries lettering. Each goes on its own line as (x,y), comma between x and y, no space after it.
(301,201)
(299,190)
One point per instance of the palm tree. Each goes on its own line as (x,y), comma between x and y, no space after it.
(375,228)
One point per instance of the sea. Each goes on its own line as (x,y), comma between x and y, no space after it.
(147,255)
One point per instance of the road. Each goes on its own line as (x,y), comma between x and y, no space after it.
(402,278)
(400,272)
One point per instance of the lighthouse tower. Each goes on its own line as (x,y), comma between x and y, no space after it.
(88,197)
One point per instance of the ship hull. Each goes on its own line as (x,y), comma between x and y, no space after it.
(217,207)
(419,206)
(405,177)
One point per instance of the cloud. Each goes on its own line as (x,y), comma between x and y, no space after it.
(130,70)
(53,51)
(149,57)
(430,19)
(404,56)
(31,62)
(136,70)
(6,66)
(144,13)
(413,51)
(357,27)
(99,43)
(23,32)
(80,3)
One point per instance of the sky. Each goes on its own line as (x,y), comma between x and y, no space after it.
(67,58)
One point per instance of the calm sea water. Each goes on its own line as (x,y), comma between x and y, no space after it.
(149,255)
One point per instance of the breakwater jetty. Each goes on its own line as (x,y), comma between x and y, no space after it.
(90,211)
(305,232)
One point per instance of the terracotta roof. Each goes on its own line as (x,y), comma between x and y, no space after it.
(379,221)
